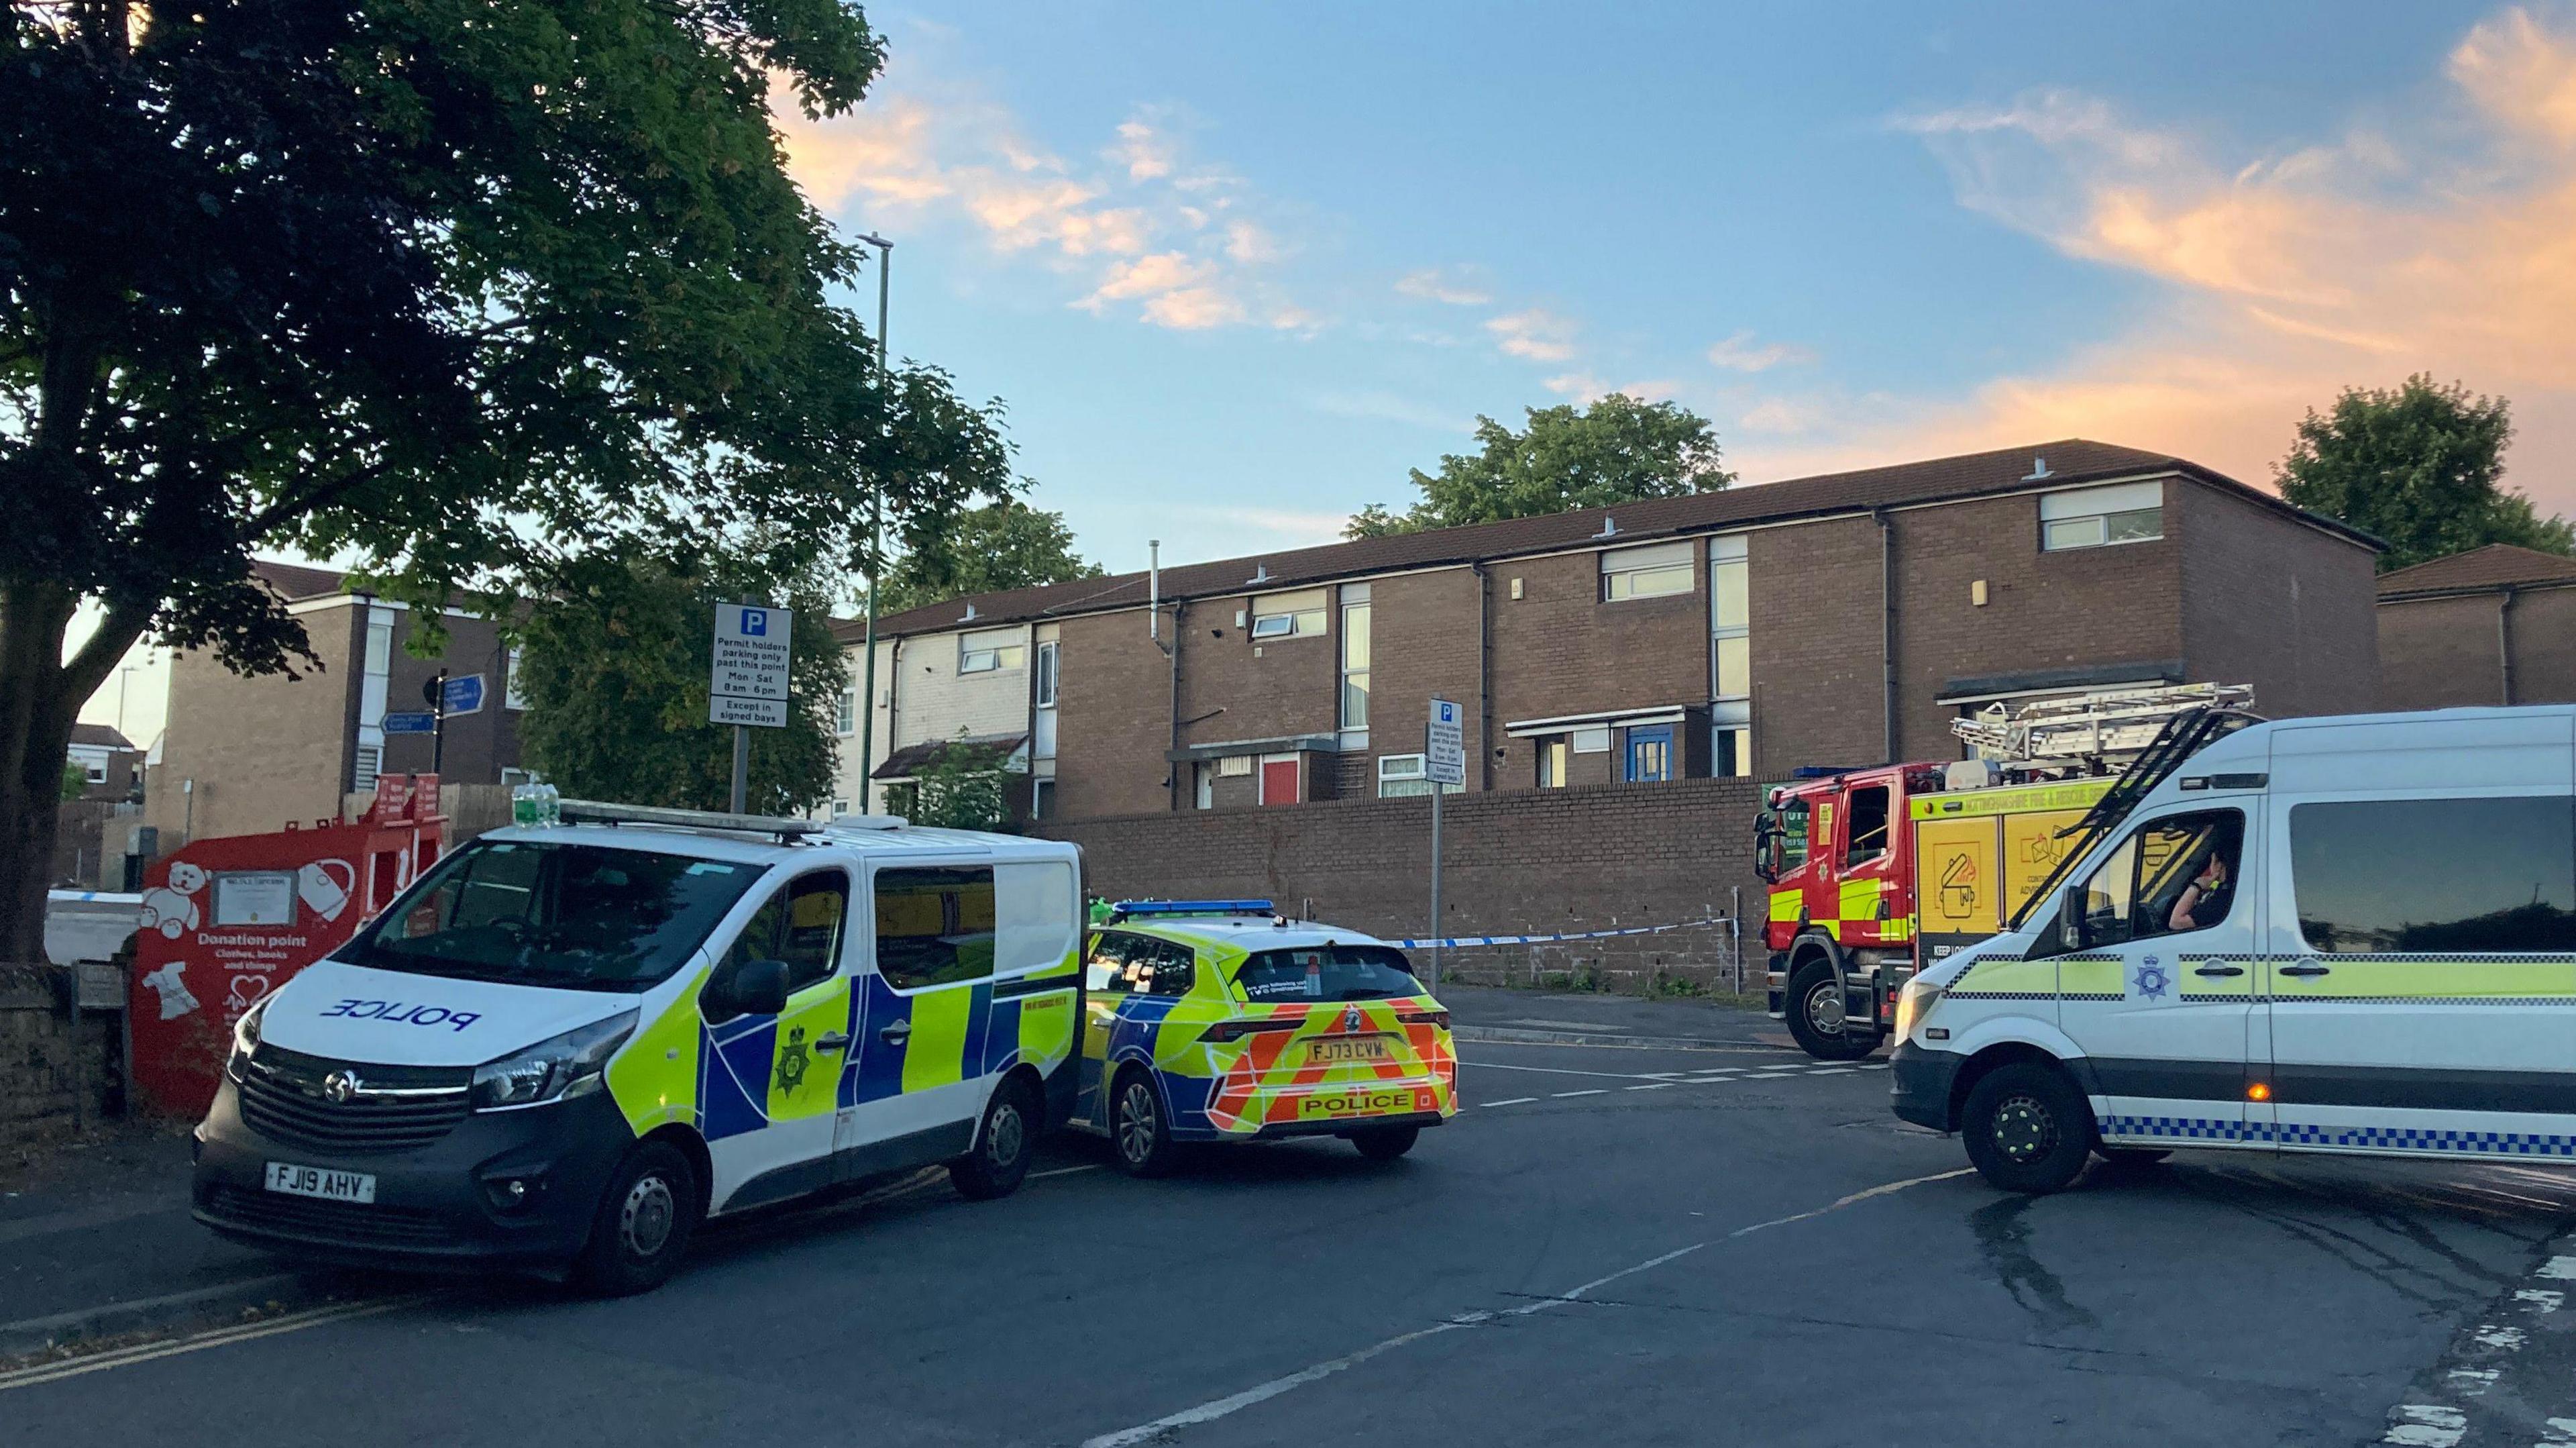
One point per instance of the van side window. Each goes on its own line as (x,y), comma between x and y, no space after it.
(803,925)
(2435,876)
(2171,877)
(1868,825)
(934,926)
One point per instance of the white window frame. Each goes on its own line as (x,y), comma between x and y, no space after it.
(513,694)
(2080,518)
(1592,739)
(1408,776)
(845,715)
(1355,597)
(368,762)
(840,807)
(992,650)
(1050,665)
(1233,766)
(1301,614)
(1652,570)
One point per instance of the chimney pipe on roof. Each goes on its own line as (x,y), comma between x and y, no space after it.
(1154,590)
(2038,470)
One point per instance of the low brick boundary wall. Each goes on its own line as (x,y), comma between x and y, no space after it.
(1521,862)
(43,1063)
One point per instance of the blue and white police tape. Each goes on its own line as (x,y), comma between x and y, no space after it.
(1464,941)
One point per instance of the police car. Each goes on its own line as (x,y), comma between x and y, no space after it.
(1219,1020)
(2348,935)
(566,1045)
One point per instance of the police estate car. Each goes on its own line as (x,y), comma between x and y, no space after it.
(565,1045)
(2347,935)
(1221,1021)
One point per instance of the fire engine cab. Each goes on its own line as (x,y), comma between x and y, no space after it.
(1875,872)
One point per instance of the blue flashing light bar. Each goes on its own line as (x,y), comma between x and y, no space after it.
(1133,908)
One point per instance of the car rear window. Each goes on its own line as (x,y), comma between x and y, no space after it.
(1327,973)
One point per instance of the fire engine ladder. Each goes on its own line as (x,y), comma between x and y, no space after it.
(2111,724)
(2182,736)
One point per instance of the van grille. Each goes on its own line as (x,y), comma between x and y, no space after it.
(335,1221)
(287,1096)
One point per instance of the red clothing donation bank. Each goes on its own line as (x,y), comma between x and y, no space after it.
(227,921)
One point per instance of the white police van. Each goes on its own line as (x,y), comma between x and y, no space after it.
(567,1044)
(2344,935)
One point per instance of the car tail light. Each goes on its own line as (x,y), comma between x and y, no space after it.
(1224,1031)
(1424,1018)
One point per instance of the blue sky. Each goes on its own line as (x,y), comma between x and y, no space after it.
(1236,268)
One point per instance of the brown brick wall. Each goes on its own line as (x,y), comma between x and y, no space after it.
(1517,863)
(43,1064)
(1559,649)
(2440,653)
(1423,644)
(1266,689)
(263,750)
(1818,685)
(2275,603)
(479,746)
(1113,716)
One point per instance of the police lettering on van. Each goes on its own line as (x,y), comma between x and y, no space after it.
(566,1045)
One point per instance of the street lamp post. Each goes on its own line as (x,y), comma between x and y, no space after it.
(876,544)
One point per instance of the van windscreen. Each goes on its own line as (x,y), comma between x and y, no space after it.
(1327,973)
(578,916)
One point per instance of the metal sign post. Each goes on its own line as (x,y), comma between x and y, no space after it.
(748,686)
(1444,763)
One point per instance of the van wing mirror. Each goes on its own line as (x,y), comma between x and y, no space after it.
(2070,918)
(1766,838)
(752,988)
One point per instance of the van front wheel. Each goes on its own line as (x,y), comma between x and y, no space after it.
(643,1224)
(2027,1128)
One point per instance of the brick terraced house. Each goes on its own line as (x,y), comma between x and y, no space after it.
(2494,625)
(1835,620)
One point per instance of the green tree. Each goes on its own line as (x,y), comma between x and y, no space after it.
(457,291)
(962,787)
(75,782)
(1000,545)
(2422,467)
(1618,450)
(614,669)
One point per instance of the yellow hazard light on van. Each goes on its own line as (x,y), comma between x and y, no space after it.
(2258,1092)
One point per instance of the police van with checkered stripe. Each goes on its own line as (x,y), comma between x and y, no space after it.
(568,1043)
(2351,935)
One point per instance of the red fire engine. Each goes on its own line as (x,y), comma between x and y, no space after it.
(1875,871)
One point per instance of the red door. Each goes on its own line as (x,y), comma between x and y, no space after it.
(1279,781)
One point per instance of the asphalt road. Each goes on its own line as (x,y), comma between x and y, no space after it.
(1610,1245)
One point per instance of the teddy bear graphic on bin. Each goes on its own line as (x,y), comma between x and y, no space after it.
(172,908)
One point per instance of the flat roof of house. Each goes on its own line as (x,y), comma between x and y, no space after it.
(2496,566)
(2070,462)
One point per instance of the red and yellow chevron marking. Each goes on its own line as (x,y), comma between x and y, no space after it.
(1269,1079)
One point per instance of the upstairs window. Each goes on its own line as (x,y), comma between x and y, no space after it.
(845,713)
(990,649)
(1355,658)
(1289,615)
(2098,517)
(1653,571)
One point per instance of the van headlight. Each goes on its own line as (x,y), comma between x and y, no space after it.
(245,1039)
(1912,1004)
(569,1065)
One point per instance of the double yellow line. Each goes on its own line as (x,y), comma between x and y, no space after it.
(42,1373)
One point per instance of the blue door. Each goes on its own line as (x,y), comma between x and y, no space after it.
(1650,754)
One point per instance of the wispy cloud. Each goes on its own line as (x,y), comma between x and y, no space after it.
(1390,407)
(1169,241)
(1740,353)
(1435,284)
(2446,245)
(1537,335)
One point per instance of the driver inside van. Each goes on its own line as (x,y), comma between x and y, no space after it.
(2204,901)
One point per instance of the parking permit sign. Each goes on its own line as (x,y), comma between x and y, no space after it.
(749,685)
(1444,746)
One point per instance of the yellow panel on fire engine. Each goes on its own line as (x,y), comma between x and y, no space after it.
(2033,845)
(1955,886)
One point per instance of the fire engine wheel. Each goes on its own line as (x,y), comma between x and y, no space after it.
(1816,1019)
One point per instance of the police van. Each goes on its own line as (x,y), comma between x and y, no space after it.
(2351,935)
(568,1044)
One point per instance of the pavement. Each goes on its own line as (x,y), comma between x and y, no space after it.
(1623,1243)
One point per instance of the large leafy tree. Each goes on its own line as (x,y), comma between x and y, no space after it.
(462,291)
(1002,545)
(614,671)
(2422,466)
(1617,450)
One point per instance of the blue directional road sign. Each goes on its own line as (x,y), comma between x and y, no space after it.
(417,722)
(463,695)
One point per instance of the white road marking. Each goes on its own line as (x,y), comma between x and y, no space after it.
(2507,1339)
(1770,1075)
(1039,1176)
(2540,1299)
(2560,1430)
(1595,1091)
(2562,1269)
(1209,1412)
(2427,1425)
(1651,1086)
(219,1337)
(1559,1071)
(1513,1101)
(2472,1382)
(1875,1066)
(1831,1071)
